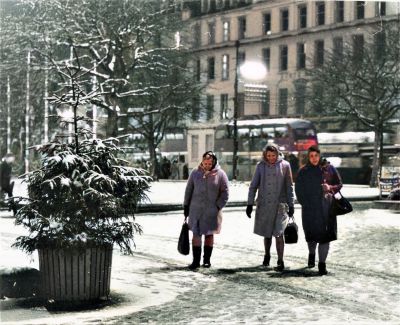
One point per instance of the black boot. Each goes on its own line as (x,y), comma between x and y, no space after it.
(280,266)
(322,269)
(311,260)
(196,258)
(207,255)
(266,260)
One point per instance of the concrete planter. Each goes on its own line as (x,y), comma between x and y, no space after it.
(76,275)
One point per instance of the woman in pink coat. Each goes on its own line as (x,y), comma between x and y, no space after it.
(205,195)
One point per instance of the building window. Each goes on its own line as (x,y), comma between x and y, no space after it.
(267,23)
(380,44)
(301,56)
(339,11)
(300,96)
(285,20)
(198,70)
(358,47)
(196,108)
(204,6)
(302,16)
(225,31)
(223,114)
(195,147)
(283,58)
(283,101)
(265,110)
(380,8)
(338,47)
(196,32)
(211,68)
(320,9)
(241,58)
(211,33)
(242,27)
(319,53)
(209,142)
(225,67)
(266,53)
(360,9)
(210,107)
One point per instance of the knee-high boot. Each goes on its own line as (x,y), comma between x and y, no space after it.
(207,255)
(196,257)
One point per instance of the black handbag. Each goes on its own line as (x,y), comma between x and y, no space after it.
(291,232)
(340,206)
(183,242)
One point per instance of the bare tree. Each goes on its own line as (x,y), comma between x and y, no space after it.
(362,83)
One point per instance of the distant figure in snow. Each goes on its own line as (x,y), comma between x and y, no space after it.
(207,192)
(6,186)
(175,170)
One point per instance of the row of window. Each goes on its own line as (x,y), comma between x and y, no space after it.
(301,55)
(283,96)
(284,20)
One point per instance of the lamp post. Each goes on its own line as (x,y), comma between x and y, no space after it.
(251,71)
(235,115)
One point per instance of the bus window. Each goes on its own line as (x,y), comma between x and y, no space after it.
(281,132)
(304,133)
(243,132)
(267,132)
(255,133)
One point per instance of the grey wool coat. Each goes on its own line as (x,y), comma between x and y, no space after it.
(274,184)
(206,195)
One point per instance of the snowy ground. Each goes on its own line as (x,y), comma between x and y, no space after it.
(153,286)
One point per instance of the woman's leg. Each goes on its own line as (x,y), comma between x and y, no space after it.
(267,248)
(323,250)
(196,250)
(280,246)
(208,247)
(312,245)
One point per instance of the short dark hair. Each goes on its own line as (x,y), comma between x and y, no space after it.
(314,149)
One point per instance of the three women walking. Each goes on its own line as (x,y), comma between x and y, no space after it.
(206,194)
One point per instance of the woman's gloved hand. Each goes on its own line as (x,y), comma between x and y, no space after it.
(186,211)
(249,210)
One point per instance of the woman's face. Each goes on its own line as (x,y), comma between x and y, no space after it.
(271,157)
(207,164)
(314,157)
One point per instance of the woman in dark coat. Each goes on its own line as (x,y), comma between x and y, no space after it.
(315,186)
(205,195)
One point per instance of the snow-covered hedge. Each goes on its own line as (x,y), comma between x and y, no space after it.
(81,196)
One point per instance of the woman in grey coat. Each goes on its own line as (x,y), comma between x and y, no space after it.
(206,194)
(275,201)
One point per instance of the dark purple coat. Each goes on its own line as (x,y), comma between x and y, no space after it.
(318,224)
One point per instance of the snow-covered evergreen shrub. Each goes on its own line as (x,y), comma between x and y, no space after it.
(82,195)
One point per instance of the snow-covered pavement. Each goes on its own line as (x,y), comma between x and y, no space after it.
(153,286)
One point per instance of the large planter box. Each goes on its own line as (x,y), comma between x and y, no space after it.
(76,275)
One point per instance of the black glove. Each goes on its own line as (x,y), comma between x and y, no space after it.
(291,212)
(186,211)
(249,210)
